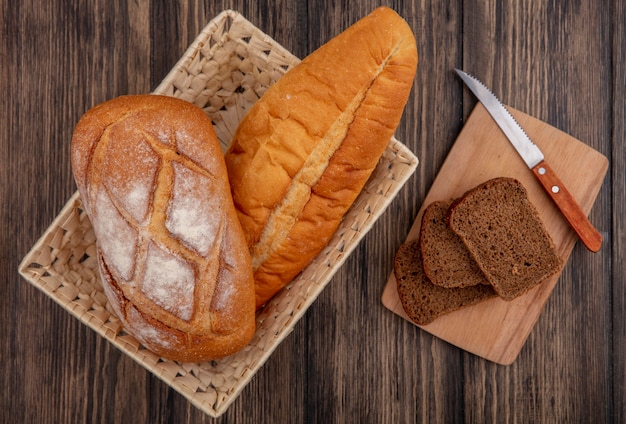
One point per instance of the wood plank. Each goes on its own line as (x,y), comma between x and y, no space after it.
(618,208)
(538,59)
(562,62)
(404,366)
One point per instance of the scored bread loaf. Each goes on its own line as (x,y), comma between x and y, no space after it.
(173,259)
(446,260)
(302,154)
(505,235)
(423,301)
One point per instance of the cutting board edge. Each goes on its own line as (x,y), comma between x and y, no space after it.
(509,355)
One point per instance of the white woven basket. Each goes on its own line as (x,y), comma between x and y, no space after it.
(226,69)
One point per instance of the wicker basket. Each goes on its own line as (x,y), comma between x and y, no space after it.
(226,69)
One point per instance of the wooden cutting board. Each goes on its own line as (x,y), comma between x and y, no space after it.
(497,330)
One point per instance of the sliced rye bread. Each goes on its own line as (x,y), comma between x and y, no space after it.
(422,301)
(447,262)
(505,235)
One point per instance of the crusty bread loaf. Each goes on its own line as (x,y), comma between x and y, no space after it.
(302,154)
(423,301)
(446,260)
(505,235)
(173,258)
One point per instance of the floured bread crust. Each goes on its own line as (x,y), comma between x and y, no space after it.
(172,255)
(302,154)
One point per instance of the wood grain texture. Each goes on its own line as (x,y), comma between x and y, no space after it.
(617,204)
(534,66)
(349,359)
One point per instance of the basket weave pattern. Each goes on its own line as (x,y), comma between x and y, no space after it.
(226,69)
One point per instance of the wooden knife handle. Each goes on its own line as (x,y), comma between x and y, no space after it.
(568,206)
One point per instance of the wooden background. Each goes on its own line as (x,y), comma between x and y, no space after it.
(349,359)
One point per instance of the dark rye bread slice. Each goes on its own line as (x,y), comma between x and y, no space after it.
(447,262)
(422,301)
(504,233)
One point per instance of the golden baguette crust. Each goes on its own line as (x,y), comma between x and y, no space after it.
(173,258)
(304,151)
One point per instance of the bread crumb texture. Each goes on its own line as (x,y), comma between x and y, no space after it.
(447,262)
(423,301)
(505,235)
(489,242)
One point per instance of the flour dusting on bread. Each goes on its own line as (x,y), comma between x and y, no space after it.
(174,293)
(152,177)
(193,214)
(115,235)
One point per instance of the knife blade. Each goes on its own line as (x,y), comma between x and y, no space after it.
(534,159)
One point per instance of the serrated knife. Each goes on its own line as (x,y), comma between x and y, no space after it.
(532,155)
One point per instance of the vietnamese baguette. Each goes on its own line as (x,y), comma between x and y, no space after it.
(304,151)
